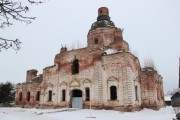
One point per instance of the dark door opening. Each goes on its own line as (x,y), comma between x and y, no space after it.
(113,92)
(76,99)
(77,93)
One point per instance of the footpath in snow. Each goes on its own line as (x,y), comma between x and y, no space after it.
(83,114)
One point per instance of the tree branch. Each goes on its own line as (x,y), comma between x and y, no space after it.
(6,44)
(13,10)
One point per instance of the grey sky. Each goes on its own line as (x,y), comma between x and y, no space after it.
(151,27)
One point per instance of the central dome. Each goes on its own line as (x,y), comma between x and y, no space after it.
(103,19)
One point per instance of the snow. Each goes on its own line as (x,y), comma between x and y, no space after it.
(110,51)
(168,98)
(84,114)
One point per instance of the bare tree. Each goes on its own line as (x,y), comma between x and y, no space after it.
(11,10)
(149,63)
(76,45)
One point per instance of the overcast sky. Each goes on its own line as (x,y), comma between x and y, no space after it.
(151,27)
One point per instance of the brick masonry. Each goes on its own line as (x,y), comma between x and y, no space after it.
(136,87)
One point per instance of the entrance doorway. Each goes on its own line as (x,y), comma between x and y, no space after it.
(77,99)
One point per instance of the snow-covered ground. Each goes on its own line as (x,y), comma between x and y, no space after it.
(83,114)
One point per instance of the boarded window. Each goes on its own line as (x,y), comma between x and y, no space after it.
(63,95)
(28,96)
(50,95)
(20,96)
(113,93)
(87,94)
(136,92)
(75,66)
(38,96)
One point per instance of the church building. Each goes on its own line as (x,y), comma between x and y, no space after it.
(104,74)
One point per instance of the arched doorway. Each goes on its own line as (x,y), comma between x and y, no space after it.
(77,99)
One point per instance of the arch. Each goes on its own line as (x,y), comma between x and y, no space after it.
(113,93)
(112,86)
(75,67)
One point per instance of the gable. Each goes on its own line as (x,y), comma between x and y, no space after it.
(74,83)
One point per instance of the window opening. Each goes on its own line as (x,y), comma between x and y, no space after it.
(38,96)
(113,92)
(20,96)
(75,66)
(50,95)
(136,92)
(87,94)
(28,96)
(96,41)
(63,95)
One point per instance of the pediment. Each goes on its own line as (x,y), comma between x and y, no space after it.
(86,81)
(74,83)
(63,84)
(50,85)
(112,79)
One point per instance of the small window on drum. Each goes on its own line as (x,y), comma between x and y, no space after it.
(95,41)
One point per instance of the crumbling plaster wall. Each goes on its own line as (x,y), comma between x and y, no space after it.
(152,89)
(60,75)
(123,71)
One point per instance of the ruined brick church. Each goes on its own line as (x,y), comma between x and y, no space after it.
(105,75)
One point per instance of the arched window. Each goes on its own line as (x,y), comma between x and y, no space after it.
(87,94)
(95,41)
(28,96)
(113,93)
(63,95)
(38,96)
(20,96)
(75,66)
(50,95)
(136,92)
